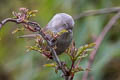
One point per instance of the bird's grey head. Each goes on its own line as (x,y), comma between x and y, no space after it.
(61,21)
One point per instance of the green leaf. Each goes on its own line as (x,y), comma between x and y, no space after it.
(77,69)
(50,65)
(17,30)
(35,48)
(62,31)
(83,49)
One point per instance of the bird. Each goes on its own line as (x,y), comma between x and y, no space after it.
(59,22)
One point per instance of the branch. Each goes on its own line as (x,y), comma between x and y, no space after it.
(8,20)
(97,12)
(55,57)
(37,27)
(99,40)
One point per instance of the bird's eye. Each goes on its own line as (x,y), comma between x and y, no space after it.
(64,24)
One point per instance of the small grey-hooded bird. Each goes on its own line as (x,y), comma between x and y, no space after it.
(59,22)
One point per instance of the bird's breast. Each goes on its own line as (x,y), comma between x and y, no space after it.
(63,42)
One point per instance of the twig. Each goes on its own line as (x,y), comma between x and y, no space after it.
(55,57)
(8,20)
(110,24)
(96,12)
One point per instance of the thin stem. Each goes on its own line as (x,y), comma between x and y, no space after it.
(72,66)
(97,12)
(55,57)
(110,24)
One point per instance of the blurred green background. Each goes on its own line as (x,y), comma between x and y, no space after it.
(16,64)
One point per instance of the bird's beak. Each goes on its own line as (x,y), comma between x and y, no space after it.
(70,30)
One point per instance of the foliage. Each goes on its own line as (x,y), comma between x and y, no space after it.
(22,66)
(46,43)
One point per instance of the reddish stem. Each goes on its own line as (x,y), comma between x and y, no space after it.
(98,42)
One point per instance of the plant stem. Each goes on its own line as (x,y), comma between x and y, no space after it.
(110,24)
